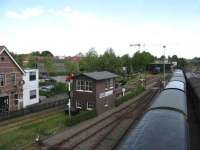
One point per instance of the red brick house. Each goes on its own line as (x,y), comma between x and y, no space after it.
(94,90)
(11,82)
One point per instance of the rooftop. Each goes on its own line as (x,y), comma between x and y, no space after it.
(102,75)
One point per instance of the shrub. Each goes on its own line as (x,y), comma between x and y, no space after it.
(57,89)
(129,95)
(84,115)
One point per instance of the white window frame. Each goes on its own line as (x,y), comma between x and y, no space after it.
(78,105)
(85,87)
(31,74)
(89,108)
(30,94)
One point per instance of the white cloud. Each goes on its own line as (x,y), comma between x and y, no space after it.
(24,14)
(77,31)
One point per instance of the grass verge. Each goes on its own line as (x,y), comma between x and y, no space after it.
(129,95)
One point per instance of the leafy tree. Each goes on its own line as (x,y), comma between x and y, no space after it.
(181,63)
(174,58)
(109,61)
(35,53)
(90,62)
(18,58)
(126,62)
(31,61)
(141,60)
(49,64)
(46,53)
(72,67)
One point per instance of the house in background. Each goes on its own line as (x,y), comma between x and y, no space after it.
(30,87)
(11,82)
(95,90)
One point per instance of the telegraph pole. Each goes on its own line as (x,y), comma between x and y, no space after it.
(164,46)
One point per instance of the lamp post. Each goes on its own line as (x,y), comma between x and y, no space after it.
(164,47)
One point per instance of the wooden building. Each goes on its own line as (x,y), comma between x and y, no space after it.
(11,82)
(94,90)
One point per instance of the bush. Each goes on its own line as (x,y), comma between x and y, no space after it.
(129,95)
(57,89)
(84,115)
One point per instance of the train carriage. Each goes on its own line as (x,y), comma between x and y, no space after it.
(164,126)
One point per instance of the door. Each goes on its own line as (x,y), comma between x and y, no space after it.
(4,104)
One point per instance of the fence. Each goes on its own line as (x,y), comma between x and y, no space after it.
(31,109)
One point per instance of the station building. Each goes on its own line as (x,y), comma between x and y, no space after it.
(95,90)
(11,82)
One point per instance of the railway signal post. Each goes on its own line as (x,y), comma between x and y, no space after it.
(69,80)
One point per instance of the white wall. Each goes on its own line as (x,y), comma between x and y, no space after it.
(28,86)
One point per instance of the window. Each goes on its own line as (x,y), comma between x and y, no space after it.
(88,85)
(2,79)
(83,85)
(16,96)
(109,83)
(32,94)
(32,76)
(78,104)
(90,106)
(13,78)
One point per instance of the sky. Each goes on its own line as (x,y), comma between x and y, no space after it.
(67,27)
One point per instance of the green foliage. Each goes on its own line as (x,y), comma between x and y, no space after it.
(31,61)
(126,62)
(140,60)
(90,62)
(129,95)
(49,64)
(71,67)
(46,54)
(57,89)
(84,115)
(109,61)
(181,63)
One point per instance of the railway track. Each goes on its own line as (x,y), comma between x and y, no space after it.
(16,123)
(96,136)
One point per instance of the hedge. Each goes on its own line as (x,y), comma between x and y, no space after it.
(84,115)
(129,95)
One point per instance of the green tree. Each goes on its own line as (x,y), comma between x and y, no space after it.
(141,60)
(174,58)
(126,62)
(90,62)
(72,67)
(181,63)
(109,61)
(46,54)
(49,64)
(31,62)
(35,53)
